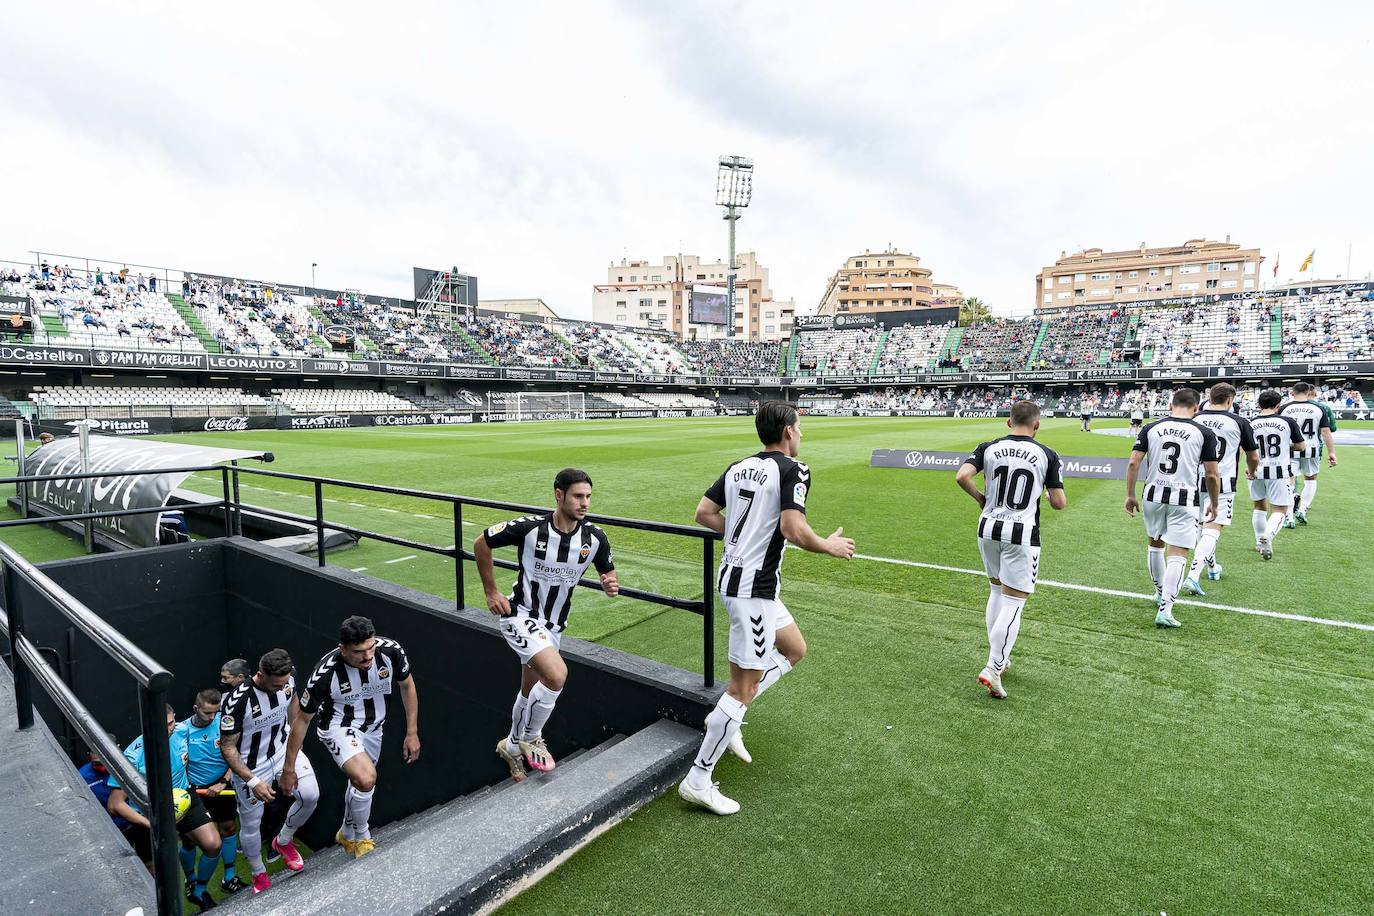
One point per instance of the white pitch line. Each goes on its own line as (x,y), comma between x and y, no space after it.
(1278,615)
(422,515)
(409,556)
(385,509)
(358,569)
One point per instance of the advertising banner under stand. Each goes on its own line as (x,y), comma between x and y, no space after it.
(147,359)
(45,356)
(922,460)
(124,491)
(475,372)
(341,366)
(240,363)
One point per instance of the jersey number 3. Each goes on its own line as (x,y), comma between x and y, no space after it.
(1170,463)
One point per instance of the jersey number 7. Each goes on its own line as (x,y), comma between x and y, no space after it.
(747,496)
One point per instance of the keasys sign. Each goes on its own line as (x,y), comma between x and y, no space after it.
(120,490)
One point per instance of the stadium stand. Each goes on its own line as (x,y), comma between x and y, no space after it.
(75,312)
(732,357)
(76,402)
(1332,326)
(1082,339)
(997,346)
(912,347)
(847,352)
(1197,335)
(340,400)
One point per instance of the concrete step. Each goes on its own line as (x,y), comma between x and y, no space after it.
(473,853)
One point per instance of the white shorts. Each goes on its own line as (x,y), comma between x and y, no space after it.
(753,624)
(345,742)
(1277,492)
(268,771)
(1177,526)
(1014,565)
(1226,507)
(1309,467)
(527,636)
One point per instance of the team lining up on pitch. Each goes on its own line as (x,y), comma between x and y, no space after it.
(250,746)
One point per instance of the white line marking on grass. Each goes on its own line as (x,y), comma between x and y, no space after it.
(358,569)
(422,515)
(409,556)
(1278,615)
(385,509)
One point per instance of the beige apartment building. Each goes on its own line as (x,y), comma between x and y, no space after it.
(1198,267)
(885,281)
(656,295)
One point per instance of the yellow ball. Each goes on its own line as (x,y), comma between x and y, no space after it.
(181,801)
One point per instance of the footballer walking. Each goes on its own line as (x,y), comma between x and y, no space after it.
(555,550)
(1234,436)
(1280,440)
(1179,455)
(254,731)
(1016,471)
(1316,424)
(348,691)
(758,506)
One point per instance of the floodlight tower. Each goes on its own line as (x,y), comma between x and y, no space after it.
(734,188)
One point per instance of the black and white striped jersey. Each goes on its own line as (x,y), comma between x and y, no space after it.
(1276,434)
(1016,471)
(1311,420)
(551,563)
(259,717)
(341,696)
(1234,436)
(1175,450)
(754,493)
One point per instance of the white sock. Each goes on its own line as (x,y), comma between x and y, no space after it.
(778,665)
(517,722)
(307,796)
(541,707)
(1004,632)
(1309,493)
(1173,579)
(359,812)
(994,605)
(1275,525)
(1259,521)
(722,724)
(1157,569)
(1202,554)
(347,829)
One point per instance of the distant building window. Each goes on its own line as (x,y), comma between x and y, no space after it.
(1065,280)
(1101,292)
(1249,267)
(1249,284)
(1047,298)
(1066,295)
(1188,287)
(1213,267)
(768,329)
(1079,278)
(1229,284)
(620,319)
(1230,266)
(891,263)
(1100,277)
(1134,274)
(767,314)
(1190,269)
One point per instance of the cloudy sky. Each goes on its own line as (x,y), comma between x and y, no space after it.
(534,148)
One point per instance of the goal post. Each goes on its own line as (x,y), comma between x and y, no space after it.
(519,406)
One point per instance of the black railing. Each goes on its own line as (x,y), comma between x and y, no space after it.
(153,793)
(705,606)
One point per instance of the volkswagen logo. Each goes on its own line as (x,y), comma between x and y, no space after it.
(914,459)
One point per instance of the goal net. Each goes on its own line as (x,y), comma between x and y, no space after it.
(517,406)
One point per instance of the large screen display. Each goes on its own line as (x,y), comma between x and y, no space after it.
(709,305)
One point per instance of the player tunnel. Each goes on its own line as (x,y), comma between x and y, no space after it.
(192,606)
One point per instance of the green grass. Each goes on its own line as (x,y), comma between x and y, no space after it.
(1223,767)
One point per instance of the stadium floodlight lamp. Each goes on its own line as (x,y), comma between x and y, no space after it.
(734,182)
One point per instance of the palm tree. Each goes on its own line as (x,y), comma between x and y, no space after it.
(973,311)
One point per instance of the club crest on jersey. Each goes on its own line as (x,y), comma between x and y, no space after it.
(799,494)
(383,672)
(226,721)
(584,552)
(286,691)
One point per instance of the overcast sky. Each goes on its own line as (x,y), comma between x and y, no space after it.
(533,149)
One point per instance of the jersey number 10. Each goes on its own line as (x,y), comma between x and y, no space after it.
(1013,487)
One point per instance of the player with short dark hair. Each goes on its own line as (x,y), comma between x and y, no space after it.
(193,825)
(255,729)
(757,506)
(231,674)
(1317,423)
(1180,455)
(1233,437)
(348,689)
(555,550)
(1279,438)
(1016,470)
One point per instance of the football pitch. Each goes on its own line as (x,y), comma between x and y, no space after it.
(1220,768)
